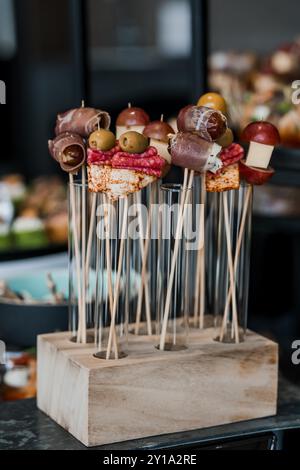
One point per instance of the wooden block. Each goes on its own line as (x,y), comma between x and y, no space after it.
(153,392)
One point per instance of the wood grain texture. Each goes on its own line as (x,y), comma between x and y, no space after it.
(153,392)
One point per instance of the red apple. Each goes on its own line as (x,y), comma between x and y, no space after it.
(133,116)
(262,132)
(158,130)
(255,175)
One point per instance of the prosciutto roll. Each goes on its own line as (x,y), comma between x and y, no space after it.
(208,123)
(68,149)
(188,150)
(82,121)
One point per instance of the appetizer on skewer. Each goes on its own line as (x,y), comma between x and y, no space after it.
(209,124)
(127,166)
(194,147)
(69,150)
(82,121)
(189,150)
(228,177)
(131,119)
(263,137)
(159,133)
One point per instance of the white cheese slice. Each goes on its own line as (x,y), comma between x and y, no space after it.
(259,155)
(162,149)
(214,163)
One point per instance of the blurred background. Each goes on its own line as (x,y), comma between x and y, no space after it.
(159,55)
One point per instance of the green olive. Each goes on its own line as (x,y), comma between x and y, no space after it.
(102,140)
(133,142)
(226,139)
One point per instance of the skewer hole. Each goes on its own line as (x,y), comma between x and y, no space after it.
(102,355)
(90,338)
(170,347)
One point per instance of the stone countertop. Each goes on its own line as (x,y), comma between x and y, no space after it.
(23,426)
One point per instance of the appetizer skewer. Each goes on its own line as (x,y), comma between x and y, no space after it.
(131,119)
(194,149)
(119,168)
(158,132)
(259,133)
(69,150)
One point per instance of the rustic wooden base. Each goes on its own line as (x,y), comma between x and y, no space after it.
(153,392)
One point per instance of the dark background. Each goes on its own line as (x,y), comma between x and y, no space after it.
(110,52)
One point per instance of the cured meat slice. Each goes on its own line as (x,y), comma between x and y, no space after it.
(151,165)
(232,154)
(82,121)
(208,123)
(98,157)
(188,150)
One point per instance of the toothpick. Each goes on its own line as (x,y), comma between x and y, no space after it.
(181,215)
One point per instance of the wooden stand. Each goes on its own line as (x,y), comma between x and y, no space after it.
(153,392)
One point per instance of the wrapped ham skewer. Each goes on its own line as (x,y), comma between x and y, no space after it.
(192,148)
(68,149)
(188,150)
(210,124)
(82,121)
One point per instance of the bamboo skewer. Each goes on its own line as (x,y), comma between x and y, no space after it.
(91,225)
(200,266)
(144,278)
(202,271)
(230,267)
(90,235)
(181,215)
(77,254)
(83,248)
(236,258)
(118,279)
